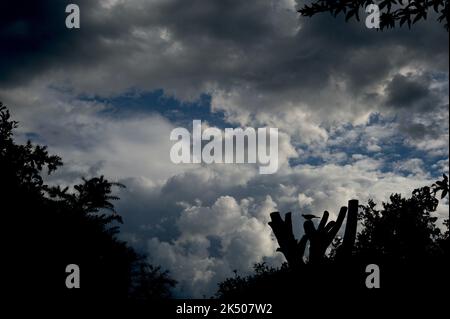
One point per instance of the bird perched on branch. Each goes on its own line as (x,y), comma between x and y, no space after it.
(309,216)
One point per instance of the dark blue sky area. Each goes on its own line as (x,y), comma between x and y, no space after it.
(179,113)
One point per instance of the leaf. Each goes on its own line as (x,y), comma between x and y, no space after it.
(383,4)
(403,20)
(417,18)
(350,14)
(436,5)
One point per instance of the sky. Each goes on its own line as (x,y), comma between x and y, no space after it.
(361,114)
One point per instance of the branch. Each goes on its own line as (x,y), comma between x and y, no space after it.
(292,249)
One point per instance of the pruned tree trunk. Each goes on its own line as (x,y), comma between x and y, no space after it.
(350,229)
(292,249)
(320,239)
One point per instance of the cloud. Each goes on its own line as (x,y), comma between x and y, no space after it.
(257,49)
(237,229)
(411,166)
(404,92)
(221,226)
(260,63)
(86,135)
(203,222)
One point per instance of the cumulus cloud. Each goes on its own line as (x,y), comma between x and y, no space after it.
(210,240)
(411,166)
(86,135)
(225,228)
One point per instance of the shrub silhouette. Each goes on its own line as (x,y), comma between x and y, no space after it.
(402,239)
(48,227)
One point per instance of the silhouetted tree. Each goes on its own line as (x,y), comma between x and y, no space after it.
(441,186)
(45,228)
(402,239)
(393,12)
(258,284)
(404,229)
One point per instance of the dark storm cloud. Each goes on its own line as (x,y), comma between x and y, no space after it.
(420,103)
(239,22)
(413,93)
(246,46)
(33,38)
(249,56)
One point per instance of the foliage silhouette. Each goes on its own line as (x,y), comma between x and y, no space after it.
(402,239)
(393,12)
(441,186)
(50,227)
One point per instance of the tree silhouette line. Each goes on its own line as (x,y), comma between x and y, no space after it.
(46,228)
(402,239)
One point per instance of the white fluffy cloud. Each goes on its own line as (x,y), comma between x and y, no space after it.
(215,240)
(203,222)
(225,227)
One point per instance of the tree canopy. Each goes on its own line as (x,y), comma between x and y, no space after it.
(49,227)
(402,238)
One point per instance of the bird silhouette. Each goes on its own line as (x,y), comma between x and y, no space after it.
(309,216)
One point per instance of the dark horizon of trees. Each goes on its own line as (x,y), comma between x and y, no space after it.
(401,237)
(46,228)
